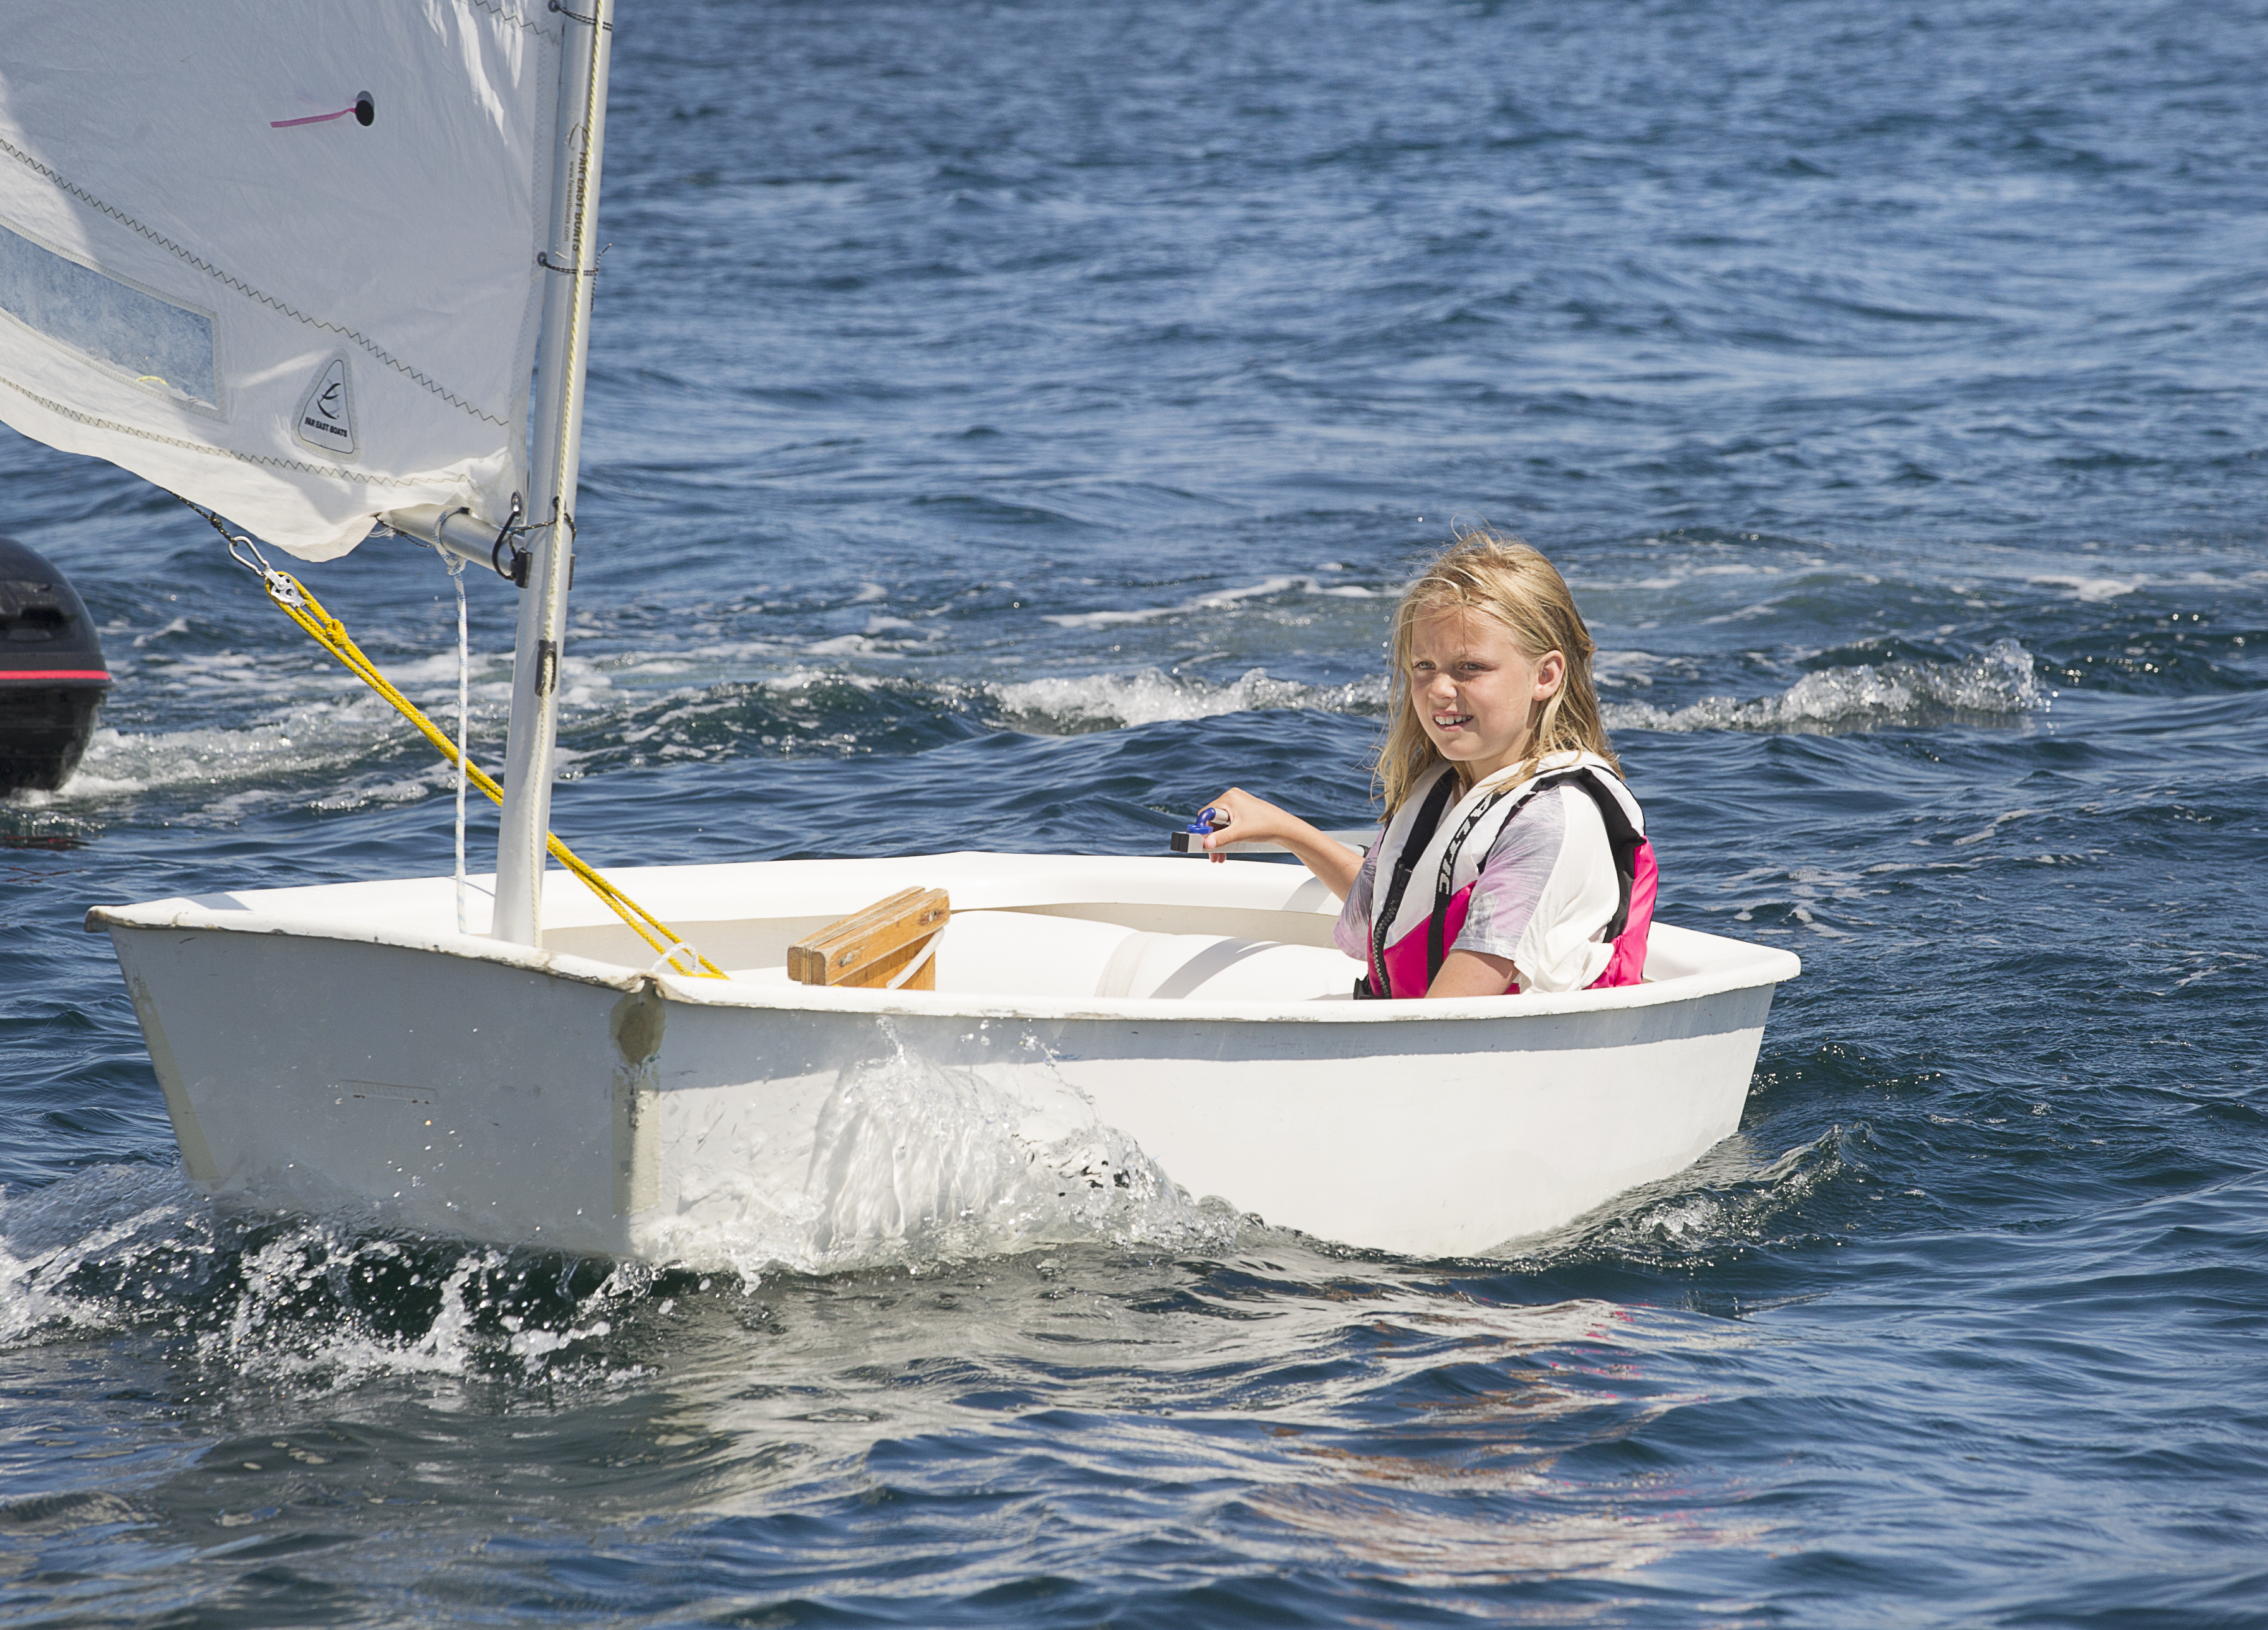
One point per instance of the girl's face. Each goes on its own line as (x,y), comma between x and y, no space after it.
(1476,691)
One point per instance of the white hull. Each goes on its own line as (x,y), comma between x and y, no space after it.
(343,1049)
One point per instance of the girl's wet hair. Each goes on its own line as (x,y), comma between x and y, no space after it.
(1504,579)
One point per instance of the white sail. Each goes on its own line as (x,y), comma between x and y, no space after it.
(280,256)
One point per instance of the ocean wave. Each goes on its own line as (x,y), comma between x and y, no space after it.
(1070,706)
(2091,589)
(304,723)
(1219,599)
(342,746)
(310,743)
(327,734)
(1996,683)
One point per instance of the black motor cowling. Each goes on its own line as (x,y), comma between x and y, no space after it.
(52,675)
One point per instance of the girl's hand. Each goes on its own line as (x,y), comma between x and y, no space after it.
(1239,818)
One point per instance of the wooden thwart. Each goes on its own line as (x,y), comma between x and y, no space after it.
(872,947)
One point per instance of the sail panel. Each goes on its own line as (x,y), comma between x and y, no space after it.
(141,334)
(280,256)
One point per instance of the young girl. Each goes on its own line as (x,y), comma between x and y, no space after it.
(1514,857)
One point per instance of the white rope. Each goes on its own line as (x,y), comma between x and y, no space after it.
(667,960)
(918,963)
(456,565)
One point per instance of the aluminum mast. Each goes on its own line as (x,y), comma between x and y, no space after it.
(571,263)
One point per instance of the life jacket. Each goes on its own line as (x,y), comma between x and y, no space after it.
(1427,838)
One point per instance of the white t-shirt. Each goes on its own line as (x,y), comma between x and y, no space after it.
(1544,896)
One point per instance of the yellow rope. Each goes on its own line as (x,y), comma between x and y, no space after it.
(305,610)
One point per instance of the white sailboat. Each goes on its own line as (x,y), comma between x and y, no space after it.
(373,223)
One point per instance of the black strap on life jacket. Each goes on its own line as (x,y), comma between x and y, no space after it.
(1622,840)
(1421,833)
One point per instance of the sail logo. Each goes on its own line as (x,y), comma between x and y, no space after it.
(325,421)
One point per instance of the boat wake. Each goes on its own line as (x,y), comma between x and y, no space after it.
(1732,1199)
(917,1168)
(306,1302)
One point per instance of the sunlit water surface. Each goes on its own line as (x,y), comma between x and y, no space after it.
(1009,423)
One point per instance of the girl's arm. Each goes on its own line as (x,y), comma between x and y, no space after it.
(1251,820)
(1472,974)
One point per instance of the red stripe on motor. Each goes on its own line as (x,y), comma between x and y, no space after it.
(53,673)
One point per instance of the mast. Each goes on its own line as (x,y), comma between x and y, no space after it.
(572,263)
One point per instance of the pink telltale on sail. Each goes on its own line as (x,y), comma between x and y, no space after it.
(365,110)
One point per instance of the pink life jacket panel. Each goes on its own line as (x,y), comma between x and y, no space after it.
(1410,964)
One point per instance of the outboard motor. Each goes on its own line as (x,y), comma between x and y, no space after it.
(52,677)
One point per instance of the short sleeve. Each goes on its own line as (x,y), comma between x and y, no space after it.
(1351,932)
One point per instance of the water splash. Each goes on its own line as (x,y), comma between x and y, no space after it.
(60,1245)
(313,1304)
(916,1163)
(1730,1201)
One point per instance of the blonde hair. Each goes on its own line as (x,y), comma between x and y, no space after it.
(1504,579)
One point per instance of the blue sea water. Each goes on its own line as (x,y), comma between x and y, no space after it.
(1009,424)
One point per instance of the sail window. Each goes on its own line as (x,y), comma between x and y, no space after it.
(163,346)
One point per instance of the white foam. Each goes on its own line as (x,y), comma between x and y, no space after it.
(1630,667)
(180,625)
(1998,681)
(1103,701)
(916,1163)
(104,1213)
(1727,1197)
(303,742)
(314,724)
(2088,589)
(302,727)
(1219,599)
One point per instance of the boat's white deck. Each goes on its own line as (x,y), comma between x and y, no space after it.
(1011,953)
(1035,932)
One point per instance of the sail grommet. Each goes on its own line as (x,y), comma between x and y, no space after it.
(577,16)
(366,109)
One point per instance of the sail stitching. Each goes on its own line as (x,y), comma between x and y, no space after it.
(502,15)
(357,477)
(56,179)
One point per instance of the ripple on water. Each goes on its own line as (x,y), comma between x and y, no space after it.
(1008,426)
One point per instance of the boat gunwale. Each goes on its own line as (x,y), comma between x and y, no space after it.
(1762,964)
